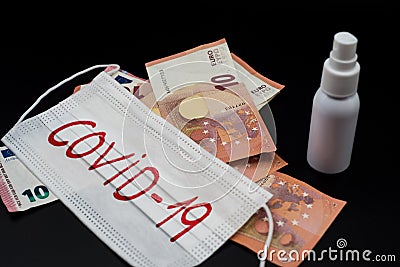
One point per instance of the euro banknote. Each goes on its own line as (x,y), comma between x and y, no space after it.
(301,215)
(261,89)
(258,167)
(199,92)
(19,188)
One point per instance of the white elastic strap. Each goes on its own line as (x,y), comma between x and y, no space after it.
(117,67)
(263,254)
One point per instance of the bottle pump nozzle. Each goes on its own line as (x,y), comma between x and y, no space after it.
(341,69)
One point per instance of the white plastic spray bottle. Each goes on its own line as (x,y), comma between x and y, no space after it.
(335,108)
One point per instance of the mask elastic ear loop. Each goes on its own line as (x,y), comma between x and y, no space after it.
(112,71)
(263,254)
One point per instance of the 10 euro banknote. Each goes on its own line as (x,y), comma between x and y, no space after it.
(200,92)
(301,215)
(19,188)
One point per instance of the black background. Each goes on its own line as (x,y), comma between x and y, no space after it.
(288,45)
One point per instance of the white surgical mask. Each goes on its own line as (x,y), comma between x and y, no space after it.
(147,190)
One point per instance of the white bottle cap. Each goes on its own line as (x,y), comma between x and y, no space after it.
(341,70)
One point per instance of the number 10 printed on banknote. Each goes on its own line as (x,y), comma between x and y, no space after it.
(200,93)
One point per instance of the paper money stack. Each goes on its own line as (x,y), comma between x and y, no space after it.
(214,97)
